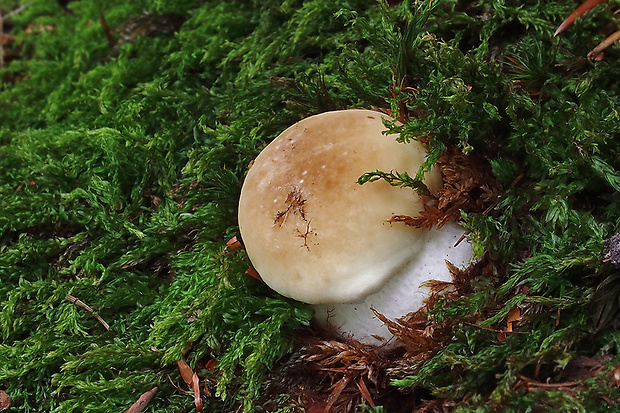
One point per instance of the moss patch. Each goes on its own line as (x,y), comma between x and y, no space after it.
(126,129)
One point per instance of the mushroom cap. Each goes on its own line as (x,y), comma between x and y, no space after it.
(311,231)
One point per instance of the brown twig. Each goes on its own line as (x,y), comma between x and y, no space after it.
(174,384)
(531,384)
(1,41)
(595,54)
(493,329)
(106,30)
(16,11)
(80,303)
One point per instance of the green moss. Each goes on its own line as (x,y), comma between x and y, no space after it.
(120,170)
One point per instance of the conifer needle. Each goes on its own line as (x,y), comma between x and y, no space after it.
(595,54)
(583,8)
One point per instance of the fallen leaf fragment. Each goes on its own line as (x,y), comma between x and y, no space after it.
(142,401)
(254,274)
(233,243)
(210,365)
(197,398)
(513,316)
(5,401)
(186,372)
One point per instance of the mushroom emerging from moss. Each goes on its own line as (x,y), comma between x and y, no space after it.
(315,235)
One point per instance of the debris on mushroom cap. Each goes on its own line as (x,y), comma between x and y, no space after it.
(311,231)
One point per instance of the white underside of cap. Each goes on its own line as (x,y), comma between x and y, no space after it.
(403,293)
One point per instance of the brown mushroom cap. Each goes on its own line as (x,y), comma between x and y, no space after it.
(311,231)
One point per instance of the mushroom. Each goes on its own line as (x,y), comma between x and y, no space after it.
(317,236)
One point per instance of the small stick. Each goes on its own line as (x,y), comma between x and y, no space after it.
(16,11)
(594,54)
(493,329)
(80,303)
(174,385)
(106,30)
(548,385)
(1,41)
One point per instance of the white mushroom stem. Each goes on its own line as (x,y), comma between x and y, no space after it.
(315,235)
(403,293)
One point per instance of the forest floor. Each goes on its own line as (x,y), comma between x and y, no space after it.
(126,130)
